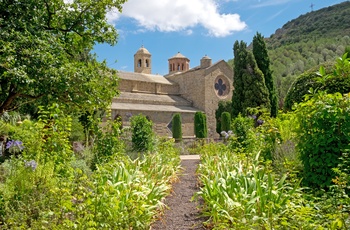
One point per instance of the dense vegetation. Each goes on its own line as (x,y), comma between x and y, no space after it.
(45,184)
(289,172)
(45,54)
(305,42)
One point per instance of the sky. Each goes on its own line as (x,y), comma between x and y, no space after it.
(195,28)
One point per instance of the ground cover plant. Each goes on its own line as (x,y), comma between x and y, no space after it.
(45,185)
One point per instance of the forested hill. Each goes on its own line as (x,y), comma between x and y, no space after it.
(332,21)
(308,41)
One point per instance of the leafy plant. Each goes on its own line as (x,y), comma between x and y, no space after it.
(142,133)
(323,135)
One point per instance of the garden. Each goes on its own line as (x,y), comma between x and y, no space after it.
(271,170)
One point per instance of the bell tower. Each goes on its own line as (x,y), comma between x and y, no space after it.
(178,63)
(142,61)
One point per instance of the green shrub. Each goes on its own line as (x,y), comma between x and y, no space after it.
(323,135)
(200,125)
(241,127)
(177,127)
(224,106)
(311,79)
(225,121)
(142,133)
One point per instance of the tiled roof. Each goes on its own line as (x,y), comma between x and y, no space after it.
(152,78)
(152,107)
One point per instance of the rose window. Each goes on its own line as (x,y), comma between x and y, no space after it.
(221,86)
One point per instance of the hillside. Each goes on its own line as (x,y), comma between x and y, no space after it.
(308,41)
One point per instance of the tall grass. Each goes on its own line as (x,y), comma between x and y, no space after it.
(241,192)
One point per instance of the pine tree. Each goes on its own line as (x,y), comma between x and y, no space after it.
(240,54)
(263,62)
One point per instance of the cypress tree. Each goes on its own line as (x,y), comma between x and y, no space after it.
(240,54)
(263,62)
(176,128)
(255,91)
(224,106)
(225,121)
(200,125)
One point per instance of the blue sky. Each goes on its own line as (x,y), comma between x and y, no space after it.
(195,28)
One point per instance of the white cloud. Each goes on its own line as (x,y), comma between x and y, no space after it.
(271,3)
(180,15)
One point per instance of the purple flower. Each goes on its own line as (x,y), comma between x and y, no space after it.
(253,116)
(14,146)
(31,164)
(260,122)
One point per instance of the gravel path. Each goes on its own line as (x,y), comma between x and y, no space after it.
(182,213)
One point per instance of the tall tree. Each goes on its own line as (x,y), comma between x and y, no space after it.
(263,61)
(240,54)
(255,92)
(250,90)
(44,53)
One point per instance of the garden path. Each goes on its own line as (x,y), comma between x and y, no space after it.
(182,213)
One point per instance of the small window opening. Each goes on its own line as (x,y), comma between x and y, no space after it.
(139,63)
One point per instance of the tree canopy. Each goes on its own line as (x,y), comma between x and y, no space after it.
(45,53)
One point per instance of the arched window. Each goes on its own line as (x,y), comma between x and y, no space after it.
(183,66)
(139,63)
(170,69)
(178,67)
(147,64)
(173,66)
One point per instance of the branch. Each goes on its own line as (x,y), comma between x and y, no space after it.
(9,100)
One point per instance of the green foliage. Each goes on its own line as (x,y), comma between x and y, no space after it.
(77,133)
(305,42)
(249,84)
(142,133)
(45,56)
(107,143)
(224,106)
(310,79)
(177,127)
(225,121)
(200,125)
(240,54)
(241,127)
(263,62)
(241,193)
(56,128)
(120,194)
(323,135)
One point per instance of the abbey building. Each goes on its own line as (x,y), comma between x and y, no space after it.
(183,90)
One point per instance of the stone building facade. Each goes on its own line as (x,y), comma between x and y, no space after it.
(183,90)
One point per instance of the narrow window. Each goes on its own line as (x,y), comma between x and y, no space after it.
(183,67)
(147,64)
(178,67)
(170,67)
(139,63)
